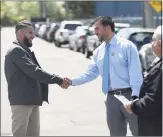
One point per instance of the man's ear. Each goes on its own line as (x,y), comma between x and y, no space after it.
(108,28)
(19,34)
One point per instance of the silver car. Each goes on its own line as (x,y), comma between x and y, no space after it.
(77,40)
(139,36)
(146,56)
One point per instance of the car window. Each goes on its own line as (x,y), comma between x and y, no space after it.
(116,30)
(71,26)
(141,38)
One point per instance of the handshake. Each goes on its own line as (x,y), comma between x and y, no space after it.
(66,83)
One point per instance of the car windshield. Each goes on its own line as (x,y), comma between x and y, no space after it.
(141,38)
(71,26)
(116,30)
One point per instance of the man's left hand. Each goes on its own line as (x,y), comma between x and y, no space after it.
(128,107)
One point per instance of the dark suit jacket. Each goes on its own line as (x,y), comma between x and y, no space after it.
(27,82)
(149,106)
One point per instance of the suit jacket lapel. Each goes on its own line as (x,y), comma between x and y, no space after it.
(29,53)
(34,58)
(25,49)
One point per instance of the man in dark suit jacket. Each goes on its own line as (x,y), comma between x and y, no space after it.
(27,83)
(149,105)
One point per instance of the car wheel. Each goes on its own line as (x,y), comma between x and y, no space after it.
(83,49)
(70,47)
(77,49)
(57,44)
(88,53)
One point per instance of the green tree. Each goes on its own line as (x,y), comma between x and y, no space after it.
(12,12)
(81,9)
(53,11)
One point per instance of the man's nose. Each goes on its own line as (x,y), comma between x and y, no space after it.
(33,35)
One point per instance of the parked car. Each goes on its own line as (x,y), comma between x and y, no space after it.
(43,30)
(35,20)
(92,42)
(146,56)
(66,29)
(51,31)
(37,27)
(139,36)
(119,26)
(77,40)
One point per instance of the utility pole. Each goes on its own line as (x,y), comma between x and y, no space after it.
(67,10)
(42,9)
(148,16)
(143,16)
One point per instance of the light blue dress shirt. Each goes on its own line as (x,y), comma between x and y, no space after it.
(124,66)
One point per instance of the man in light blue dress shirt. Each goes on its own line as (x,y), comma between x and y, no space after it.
(117,61)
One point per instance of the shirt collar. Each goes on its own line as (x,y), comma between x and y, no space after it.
(113,40)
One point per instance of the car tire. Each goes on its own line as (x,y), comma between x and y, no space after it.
(83,49)
(88,54)
(77,49)
(70,47)
(57,44)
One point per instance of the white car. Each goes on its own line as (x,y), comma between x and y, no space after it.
(139,36)
(92,42)
(77,40)
(42,31)
(66,29)
(119,26)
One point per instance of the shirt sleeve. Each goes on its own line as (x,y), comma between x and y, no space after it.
(26,65)
(91,74)
(134,68)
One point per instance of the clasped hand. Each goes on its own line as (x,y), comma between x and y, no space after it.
(66,83)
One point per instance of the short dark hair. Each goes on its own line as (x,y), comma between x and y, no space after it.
(106,21)
(23,24)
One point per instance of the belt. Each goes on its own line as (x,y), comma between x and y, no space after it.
(119,91)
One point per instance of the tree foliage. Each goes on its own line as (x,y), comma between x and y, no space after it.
(53,11)
(12,11)
(16,11)
(81,9)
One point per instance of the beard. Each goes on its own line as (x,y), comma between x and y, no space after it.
(27,42)
(101,39)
